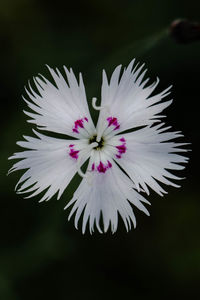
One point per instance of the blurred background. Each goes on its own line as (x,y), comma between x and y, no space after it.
(42,255)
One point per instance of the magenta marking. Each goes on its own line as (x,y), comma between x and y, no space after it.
(114,122)
(79,124)
(75,130)
(109,164)
(73,153)
(121,148)
(93,166)
(102,168)
(122,139)
(117,127)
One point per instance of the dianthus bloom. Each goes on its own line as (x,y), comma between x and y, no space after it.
(121,164)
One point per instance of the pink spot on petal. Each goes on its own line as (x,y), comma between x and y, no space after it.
(109,164)
(79,124)
(102,168)
(74,153)
(111,121)
(114,122)
(121,148)
(117,127)
(93,166)
(75,130)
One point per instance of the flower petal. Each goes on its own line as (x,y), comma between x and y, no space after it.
(149,155)
(51,164)
(57,108)
(107,194)
(128,100)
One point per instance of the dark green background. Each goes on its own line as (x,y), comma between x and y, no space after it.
(42,255)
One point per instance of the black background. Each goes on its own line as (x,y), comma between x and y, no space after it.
(42,255)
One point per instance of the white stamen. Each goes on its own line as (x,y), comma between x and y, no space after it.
(103,124)
(94,100)
(98,138)
(106,107)
(87,149)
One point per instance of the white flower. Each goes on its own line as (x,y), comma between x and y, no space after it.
(120,164)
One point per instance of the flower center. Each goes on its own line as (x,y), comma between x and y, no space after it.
(100,143)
